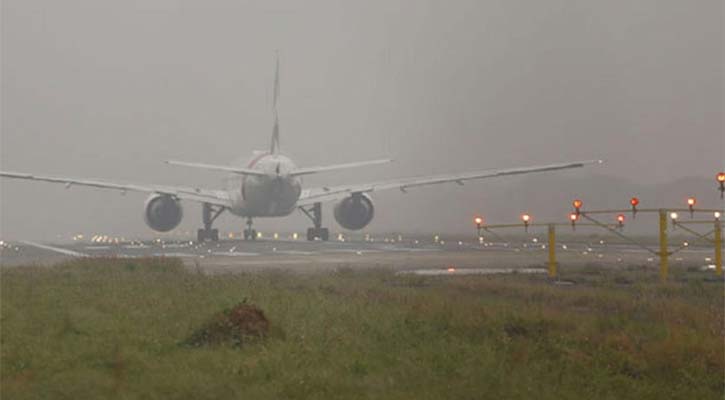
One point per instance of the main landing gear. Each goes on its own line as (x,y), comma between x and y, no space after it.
(209,214)
(314,213)
(249,233)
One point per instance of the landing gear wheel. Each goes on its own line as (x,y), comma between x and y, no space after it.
(250,234)
(318,233)
(203,235)
(209,213)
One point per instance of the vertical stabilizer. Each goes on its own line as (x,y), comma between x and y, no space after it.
(274,146)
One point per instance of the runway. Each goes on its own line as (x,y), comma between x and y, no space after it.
(403,255)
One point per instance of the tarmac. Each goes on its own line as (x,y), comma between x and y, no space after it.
(411,255)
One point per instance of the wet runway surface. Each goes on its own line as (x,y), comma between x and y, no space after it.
(411,254)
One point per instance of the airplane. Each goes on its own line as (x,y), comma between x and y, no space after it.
(269,185)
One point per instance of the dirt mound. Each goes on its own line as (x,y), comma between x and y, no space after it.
(237,325)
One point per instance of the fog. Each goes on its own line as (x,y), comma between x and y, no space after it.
(109,89)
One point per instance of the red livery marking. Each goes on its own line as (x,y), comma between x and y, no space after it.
(256,160)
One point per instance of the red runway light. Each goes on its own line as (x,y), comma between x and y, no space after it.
(578,204)
(634,202)
(721,177)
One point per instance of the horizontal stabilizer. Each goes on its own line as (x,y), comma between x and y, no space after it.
(314,170)
(236,170)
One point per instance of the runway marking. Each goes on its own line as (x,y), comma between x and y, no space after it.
(97,247)
(413,249)
(234,254)
(55,249)
(356,251)
(175,246)
(185,255)
(296,252)
(473,271)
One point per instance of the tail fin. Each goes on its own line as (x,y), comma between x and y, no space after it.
(274,146)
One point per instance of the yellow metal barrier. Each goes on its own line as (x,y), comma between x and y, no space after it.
(664,251)
(718,248)
(552,251)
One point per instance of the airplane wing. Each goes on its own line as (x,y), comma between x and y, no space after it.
(326,168)
(215,197)
(236,170)
(325,194)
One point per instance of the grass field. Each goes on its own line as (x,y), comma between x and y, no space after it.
(94,329)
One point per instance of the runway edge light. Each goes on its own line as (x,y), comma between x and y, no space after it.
(577,205)
(573,217)
(527,219)
(691,202)
(721,180)
(634,202)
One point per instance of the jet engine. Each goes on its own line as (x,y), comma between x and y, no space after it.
(162,213)
(355,212)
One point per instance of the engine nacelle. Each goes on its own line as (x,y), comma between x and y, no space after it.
(355,212)
(162,213)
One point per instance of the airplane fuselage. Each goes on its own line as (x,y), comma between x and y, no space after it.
(273,195)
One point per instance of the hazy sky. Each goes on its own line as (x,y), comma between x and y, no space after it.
(108,89)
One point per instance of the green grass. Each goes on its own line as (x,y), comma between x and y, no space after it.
(94,329)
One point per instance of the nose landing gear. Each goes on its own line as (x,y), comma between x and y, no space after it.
(314,213)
